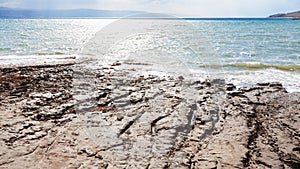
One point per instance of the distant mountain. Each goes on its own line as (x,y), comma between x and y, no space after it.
(72,13)
(295,15)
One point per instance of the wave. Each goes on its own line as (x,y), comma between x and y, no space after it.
(5,49)
(50,53)
(255,66)
(33,60)
(258,65)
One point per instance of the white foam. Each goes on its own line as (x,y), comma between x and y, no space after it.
(36,60)
(290,80)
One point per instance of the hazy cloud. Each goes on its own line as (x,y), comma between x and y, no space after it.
(200,8)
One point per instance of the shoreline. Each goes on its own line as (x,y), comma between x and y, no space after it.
(111,117)
(13,61)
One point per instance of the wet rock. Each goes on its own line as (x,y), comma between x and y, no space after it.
(45,95)
(117,63)
(230,87)
(104,102)
(37,135)
(87,151)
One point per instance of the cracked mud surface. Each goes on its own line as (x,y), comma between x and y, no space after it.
(69,116)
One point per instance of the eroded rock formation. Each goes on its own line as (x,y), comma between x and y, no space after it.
(113,117)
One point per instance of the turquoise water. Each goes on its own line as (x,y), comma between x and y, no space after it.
(274,41)
(267,49)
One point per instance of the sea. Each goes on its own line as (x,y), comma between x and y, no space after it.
(244,51)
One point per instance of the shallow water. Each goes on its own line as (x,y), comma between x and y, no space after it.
(244,51)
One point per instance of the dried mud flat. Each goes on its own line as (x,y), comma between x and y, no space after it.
(68,116)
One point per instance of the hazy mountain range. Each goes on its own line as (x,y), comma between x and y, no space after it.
(83,13)
(72,13)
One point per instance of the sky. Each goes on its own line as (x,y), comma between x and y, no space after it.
(180,8)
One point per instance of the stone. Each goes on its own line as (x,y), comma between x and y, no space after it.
(145,120)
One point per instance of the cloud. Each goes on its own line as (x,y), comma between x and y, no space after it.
(195,8)
(228,7)
(9,3)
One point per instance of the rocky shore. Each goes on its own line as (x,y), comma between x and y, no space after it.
(69,116)
(294,15)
